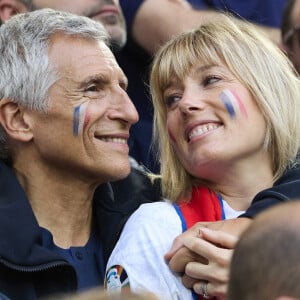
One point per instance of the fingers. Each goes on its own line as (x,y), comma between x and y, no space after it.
(188,247)
(214,288)
(206,249)
(182,257)
(210,272)
(177,244)
(210,289)
(219,238)
(179,241)
(203,254)
(231,226)
(204,290)
(188,281)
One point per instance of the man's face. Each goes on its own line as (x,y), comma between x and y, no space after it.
(86,129)
(108,12)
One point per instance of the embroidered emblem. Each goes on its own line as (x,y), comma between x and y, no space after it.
(116,279)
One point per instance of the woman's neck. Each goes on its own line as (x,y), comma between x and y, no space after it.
(239,185)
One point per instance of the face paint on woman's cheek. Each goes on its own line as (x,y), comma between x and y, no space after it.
(233,103)
(240,103)
(80,119)
(172,137)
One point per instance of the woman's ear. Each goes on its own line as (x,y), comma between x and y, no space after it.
(9,8)
(12,119)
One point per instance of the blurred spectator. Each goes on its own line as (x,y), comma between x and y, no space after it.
(108,12)
(265,263)
(290,32)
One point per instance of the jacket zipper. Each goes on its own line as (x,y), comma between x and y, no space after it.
(29,269)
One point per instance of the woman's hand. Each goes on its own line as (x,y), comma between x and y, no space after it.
(203,254)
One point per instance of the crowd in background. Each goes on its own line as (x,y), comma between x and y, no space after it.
(101,105)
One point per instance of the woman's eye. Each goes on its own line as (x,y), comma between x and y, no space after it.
(211,79)
(170,100)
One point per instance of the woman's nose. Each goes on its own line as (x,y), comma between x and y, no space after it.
(190,103)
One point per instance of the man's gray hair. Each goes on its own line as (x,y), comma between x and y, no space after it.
(25,71)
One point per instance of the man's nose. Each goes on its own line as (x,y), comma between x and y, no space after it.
(127,109)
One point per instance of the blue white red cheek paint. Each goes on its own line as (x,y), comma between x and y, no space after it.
(233,103)
(80,119)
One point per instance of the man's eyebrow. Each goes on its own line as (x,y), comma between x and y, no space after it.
(97,78)
(100,79)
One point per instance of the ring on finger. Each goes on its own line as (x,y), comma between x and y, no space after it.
(203,290)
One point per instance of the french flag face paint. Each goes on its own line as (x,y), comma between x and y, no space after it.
(233,103)
(79,119)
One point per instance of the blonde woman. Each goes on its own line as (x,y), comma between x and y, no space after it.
(226,111)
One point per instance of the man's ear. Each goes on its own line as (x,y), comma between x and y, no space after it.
(9,8)
(13,120)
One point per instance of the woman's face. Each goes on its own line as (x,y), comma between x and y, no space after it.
(213,122)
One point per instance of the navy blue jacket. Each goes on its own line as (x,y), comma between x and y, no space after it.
(285,188)
(27,270)
(30,271)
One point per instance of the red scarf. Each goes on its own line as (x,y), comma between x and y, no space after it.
(205,205)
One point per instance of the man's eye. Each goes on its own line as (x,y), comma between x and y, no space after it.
(123,85)
(92,88)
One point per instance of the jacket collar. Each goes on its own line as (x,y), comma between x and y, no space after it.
(20,234)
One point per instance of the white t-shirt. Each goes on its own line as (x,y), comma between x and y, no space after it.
(138,258)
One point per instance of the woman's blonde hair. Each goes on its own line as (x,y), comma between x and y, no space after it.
(257,63)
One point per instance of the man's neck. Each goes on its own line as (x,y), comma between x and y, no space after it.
(63,206)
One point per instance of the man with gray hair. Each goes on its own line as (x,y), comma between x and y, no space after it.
(136,188)
(65,118)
